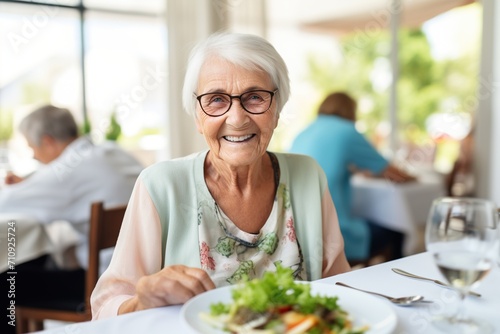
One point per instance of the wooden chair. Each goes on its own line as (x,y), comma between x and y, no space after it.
(104,228)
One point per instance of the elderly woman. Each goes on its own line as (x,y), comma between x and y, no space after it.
(232,211)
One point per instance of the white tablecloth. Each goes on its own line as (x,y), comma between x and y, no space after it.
(27,237)
(411,320)
(400,207)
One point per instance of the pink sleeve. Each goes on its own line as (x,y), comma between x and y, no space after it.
(137,253)
(334,260)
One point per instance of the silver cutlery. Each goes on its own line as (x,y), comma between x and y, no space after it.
(401,301)
(438,282)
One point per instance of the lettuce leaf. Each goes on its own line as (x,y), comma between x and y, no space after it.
(276,289)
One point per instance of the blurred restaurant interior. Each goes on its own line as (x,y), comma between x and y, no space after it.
(423,78)
(425,74)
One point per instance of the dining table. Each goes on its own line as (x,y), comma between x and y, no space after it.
(402,207)
(380,278)
(23,239)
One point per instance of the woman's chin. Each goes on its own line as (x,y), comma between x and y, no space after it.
(241,156)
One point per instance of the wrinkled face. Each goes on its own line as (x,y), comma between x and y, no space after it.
(237,137)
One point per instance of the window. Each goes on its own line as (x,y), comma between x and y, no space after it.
(100,59)
(125,68)
(437,78)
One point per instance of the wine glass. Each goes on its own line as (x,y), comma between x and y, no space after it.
(461,234)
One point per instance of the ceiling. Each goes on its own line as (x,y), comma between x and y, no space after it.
(340,16)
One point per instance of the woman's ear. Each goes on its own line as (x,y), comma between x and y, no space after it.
(47,141)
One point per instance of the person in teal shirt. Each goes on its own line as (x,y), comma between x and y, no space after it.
(333,141)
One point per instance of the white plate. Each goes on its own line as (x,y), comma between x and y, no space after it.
(364,309)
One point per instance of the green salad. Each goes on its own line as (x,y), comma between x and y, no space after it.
(276,304)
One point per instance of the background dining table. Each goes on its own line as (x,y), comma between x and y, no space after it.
(380,278)
(402,207)
(26,237)
(29,239)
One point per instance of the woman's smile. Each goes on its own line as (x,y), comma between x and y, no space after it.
(239,139)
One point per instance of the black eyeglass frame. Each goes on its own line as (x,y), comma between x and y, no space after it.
(231,97)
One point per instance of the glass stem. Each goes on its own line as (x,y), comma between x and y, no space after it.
(460,314)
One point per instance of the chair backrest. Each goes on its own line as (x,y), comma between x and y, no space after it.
(105,224)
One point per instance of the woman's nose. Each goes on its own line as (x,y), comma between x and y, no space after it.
(237,115)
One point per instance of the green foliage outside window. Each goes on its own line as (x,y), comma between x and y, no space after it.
(114,130)
(86,127)
(425,85)
(6,125)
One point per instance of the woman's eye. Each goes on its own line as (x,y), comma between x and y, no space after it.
(254,98)
(218,99)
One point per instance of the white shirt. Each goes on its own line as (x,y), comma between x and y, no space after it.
(65,188)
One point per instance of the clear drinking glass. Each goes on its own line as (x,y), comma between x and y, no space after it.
(462,235)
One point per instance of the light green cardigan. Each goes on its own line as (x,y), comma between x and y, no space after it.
(178,186)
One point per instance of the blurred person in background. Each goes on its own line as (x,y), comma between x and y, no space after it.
(333,141)
(73,173)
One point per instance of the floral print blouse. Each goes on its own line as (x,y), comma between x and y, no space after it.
(229,254)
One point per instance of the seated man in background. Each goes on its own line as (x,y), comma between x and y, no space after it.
(341,150)
(74,173)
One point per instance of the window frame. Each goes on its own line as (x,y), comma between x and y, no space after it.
(81,9)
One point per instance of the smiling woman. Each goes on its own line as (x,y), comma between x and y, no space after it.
(231,212)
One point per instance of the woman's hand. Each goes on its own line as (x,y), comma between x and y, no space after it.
(170,286)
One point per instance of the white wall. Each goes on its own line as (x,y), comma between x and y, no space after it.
(495,110)
(486,157)
(487,154)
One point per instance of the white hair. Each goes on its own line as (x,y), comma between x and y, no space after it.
(248,51)
(49,120)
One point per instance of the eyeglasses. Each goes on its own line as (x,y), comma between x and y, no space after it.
(254,102)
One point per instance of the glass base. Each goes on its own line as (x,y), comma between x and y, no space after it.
(462,325)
